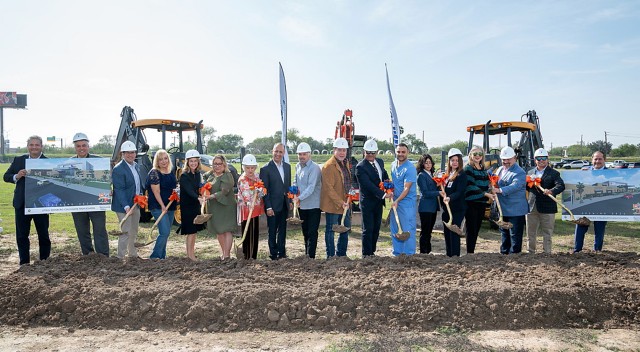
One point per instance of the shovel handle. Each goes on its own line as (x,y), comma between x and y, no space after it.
(253,202)
(572,218)
(344,213)
(155,224)
(127,215)
(395,212)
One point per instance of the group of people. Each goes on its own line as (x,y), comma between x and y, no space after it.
(468,190)
(462,192)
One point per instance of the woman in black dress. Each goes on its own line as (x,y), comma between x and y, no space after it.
(190,200)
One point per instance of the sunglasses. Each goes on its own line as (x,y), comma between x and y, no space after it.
(477,154)
(541,158)
(371,153)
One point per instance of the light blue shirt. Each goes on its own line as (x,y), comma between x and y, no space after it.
(402,174)
(136,175)
(309,182)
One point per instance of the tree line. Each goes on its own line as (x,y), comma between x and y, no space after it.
(231,144)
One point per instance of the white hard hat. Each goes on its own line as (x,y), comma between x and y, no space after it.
(540,152)
(80,137)
(128,146)
(249,160)
(341,143)
(370,146)
(191,153)
(454,151)
(303,148)
(507,153)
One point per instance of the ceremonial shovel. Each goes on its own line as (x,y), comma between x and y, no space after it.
(440,181)
(258,190)
(295,219)
(340,228)
(401,235)
(174,196)
(581,221)
(138,201)
(503,224)
(202,217)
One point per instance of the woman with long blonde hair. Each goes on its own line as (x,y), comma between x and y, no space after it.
(161,181)
(476,195)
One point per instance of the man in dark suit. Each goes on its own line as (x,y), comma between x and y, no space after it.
(126,181)
(276,176)
(17,174)
(370,172)
(542,215)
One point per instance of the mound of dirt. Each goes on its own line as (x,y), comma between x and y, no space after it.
(417,293)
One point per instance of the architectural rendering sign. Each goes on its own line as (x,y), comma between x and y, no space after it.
(604,195)
(67,185)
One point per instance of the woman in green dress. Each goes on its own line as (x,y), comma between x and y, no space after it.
(222,204)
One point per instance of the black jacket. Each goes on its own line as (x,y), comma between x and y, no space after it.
(276,197)
(550,180)
(18,164)
(369,181)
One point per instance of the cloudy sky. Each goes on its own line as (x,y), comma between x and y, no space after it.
(451,64)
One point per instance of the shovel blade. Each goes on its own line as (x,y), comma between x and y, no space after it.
(339,228)
(295,221)
(402,236)
(201,219)
(115,233)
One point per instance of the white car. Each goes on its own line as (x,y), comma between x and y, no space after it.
(578,164)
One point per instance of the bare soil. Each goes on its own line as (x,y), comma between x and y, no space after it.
(589,301)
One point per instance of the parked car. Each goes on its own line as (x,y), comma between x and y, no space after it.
(578,164)
(235,160)
(635,165)
(618,164)
(561,163)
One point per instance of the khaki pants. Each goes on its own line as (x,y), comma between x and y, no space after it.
(127,241)
(543,223)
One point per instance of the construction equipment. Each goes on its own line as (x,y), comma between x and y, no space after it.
(530,139)
(345,128)
(132,129)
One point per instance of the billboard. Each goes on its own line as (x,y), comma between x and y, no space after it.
(64,185)
(8,99)
(602,195)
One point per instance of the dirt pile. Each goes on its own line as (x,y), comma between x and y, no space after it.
(418,293)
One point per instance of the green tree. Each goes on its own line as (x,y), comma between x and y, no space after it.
(208,134)
(577,150)
(625,150)
(600,145)
(105,145)
(261,145)
(225,143)
(557,151)
(416,145)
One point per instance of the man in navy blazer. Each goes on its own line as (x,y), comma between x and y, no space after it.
(16,173)
(126,181)
(370,172)
(276,176)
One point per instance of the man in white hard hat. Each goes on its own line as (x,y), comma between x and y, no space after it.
(125,179)
(512,196)
(542,216)
(404,177)
(83,221)
(309,182)
(16,173)
(336,183)
(370,172)
(276,175)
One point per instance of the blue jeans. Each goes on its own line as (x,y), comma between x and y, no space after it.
(164,227)
(512,239)
(343,238)
(598,229)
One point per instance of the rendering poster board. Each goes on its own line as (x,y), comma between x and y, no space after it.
(602,195)
(67,185)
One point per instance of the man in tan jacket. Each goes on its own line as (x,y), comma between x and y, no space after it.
(336,182)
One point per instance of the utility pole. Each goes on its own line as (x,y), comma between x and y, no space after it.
(605,145)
